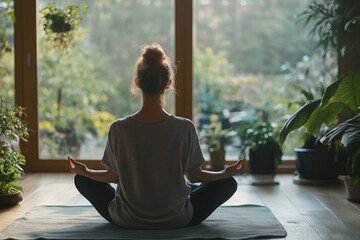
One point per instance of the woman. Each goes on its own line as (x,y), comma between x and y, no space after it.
(147,155)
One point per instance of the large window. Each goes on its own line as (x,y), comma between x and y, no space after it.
(235,60)
(85,86)
(242,53)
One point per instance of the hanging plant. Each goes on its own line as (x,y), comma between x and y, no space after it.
(60,25)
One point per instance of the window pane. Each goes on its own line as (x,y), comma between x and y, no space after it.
(7,79)
(241,51)
(85,87)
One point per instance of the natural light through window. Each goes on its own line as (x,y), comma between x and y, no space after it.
(84,85)
(247,57)
(7,92)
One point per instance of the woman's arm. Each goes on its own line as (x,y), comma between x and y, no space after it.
(97,175)
(199,175)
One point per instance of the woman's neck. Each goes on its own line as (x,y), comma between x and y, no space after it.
(152,108)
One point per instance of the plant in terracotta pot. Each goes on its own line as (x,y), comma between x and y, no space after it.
(216,138)
(12,129)
(348,133)
(60,25)
(261,148)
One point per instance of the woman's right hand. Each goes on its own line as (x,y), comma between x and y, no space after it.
(235,168)
(76,167)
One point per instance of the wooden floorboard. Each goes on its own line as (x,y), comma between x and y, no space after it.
(306,212)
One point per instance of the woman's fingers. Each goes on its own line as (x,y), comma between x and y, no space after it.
(240,164)
(71,163)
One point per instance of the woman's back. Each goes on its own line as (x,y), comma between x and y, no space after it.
(148,155)
(151,159)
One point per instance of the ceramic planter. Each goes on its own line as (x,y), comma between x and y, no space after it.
(352,192)
(10,199)
(262,164)
(320,164)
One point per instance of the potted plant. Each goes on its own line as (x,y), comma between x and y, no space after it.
(314,160)
(60,25)
(12,129)
(331,21)
(348,133)
(339,102)
(261,148)
(216,138)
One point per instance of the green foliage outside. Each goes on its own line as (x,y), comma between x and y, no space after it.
(72,98)
(7,18)
(82,90)
(239,52)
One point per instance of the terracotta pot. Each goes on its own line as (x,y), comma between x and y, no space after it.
(217,160)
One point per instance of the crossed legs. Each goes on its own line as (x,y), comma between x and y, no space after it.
(205,198)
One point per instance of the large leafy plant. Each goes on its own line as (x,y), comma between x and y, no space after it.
(330,20)
(11,129)
(340,101)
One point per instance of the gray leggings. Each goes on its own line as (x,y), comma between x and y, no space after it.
(205,197)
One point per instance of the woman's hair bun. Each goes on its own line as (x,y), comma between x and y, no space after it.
(153,54)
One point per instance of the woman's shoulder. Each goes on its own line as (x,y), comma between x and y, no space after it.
(119,123)
(185,122)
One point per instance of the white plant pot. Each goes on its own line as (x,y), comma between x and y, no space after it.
(352,192)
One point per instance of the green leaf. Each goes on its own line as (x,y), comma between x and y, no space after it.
(298,119)
(327,115)
(355,180)
(16,186)
(345,90)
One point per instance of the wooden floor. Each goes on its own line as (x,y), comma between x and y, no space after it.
(306,212)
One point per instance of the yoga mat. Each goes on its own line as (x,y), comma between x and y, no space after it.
(83,222)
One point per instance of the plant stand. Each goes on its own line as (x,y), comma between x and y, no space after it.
(304,181)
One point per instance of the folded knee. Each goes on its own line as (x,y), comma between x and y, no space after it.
(80,181)
(231,185)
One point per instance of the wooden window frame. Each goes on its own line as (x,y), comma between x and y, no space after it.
(26,77)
